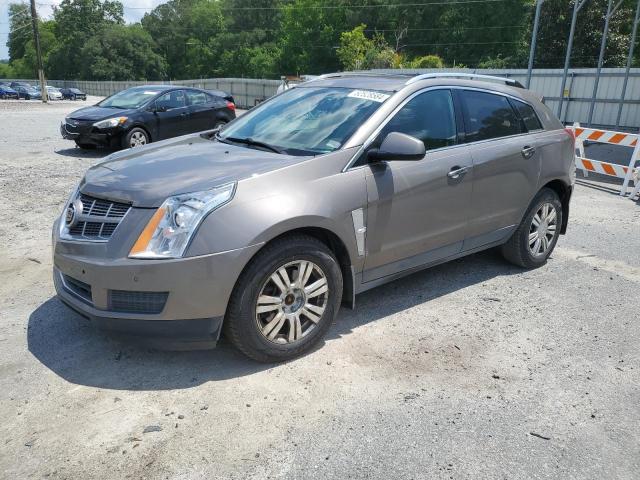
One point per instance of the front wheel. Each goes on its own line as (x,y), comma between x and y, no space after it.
(285,301)
(136,137)
(537,235)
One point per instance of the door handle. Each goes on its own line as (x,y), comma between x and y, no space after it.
(527,151)
(457,172)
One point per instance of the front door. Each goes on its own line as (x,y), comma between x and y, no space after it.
(506,166)
(417,210)
(172,114)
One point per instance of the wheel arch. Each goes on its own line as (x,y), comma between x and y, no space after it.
(563,190)
(334,243)
(141,126)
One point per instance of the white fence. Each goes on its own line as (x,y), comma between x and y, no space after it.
(546,82)
(577,94)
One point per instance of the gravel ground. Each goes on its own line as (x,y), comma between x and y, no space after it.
(474,369)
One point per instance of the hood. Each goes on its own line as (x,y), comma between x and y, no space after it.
(98,113)
(146,176)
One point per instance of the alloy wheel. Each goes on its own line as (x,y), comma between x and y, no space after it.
(137,139)
(291,302)
(542,231)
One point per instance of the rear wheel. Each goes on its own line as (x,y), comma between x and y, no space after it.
(136,137)
(537,235)
(285,300)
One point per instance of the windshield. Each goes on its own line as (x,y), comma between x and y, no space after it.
(307,120)
(132,98)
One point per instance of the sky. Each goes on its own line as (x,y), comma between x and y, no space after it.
(139,8)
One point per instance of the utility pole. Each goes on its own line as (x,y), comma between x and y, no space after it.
(577,5)
(36,38)
(603,45)
(534,38)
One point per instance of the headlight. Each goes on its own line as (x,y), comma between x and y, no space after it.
(171,228)
(110,122)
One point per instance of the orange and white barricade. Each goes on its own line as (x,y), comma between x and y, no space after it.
(628,173)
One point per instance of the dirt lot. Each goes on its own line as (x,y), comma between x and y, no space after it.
(475,369)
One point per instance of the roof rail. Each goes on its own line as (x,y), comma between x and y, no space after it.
(426,76)
(361,74)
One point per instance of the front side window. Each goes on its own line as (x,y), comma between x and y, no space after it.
(171,100)
(429,117)
(487,116)
(307,120)
(527,115)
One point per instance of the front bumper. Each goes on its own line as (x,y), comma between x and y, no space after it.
(90,135)
(179,300)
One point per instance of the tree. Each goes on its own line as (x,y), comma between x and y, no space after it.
(554,28)
(121,52)
(76,23)
(20,31)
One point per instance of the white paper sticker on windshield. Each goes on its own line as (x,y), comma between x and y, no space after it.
(149,93)
(369,95)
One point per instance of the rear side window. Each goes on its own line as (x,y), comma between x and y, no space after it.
(197,98)
(527,115)
(428,116)
(488,116)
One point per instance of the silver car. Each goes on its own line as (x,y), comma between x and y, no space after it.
(263,229)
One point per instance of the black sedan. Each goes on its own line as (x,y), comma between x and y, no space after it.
(73,94)
(140,115)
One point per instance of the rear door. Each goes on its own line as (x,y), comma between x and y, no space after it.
(171,114)
(506,166)
(417,212)
(202,108)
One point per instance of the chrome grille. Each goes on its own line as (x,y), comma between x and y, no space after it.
(98,219)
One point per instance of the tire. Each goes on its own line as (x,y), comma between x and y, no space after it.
(86,146)
(249,330)
(136,137)
(219,124)
(527,250)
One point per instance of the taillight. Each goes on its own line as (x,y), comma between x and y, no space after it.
(572,134)
(231,106)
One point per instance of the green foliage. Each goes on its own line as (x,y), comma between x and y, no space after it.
(121,52)
(87,39)
(20,30)
(495,62)
(427,61)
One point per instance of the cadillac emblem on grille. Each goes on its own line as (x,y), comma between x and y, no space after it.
(71,217)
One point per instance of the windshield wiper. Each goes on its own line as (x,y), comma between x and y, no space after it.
(248,141)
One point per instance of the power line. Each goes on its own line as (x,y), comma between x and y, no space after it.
(327,7)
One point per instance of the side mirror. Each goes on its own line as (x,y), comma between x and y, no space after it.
(398,146)
(158,108)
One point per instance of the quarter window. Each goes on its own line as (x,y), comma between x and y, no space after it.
(488,116)
(429,117)
(527,115)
